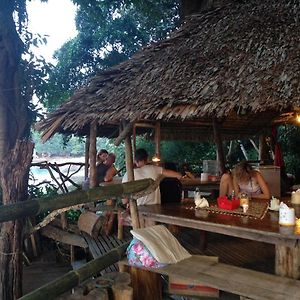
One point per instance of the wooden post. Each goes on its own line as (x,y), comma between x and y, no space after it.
(129,159)
(287,261)
(157,139)
(145,284)
(263,155)
(134,138)
(93,154)
(86,157)
(130,174)
(218,141)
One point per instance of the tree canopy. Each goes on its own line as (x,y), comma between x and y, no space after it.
(109,32)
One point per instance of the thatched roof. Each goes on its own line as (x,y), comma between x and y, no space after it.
(239,63)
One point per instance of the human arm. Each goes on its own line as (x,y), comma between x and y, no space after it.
(226,185)
(236,187)
(171,173)
(265,191)
(110,173)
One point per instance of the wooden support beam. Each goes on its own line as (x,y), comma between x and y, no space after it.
(219,144)
(63,236)
(287,261)
(86,157)
(124,133)
(144,125)
(46,204)
(157,139)
(93,155)
(130,174)
(74,278)
(129,159)
(263,149)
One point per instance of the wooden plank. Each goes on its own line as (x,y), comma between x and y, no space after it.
(287,261)
(63,236)
(217,228)
(240,281)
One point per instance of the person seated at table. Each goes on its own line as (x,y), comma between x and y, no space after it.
(226,184)
(106,170)
(102,156)
(146,170)
(245,179)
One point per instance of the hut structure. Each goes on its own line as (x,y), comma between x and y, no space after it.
(227,73)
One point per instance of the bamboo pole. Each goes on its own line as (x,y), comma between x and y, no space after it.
(218,141)
(46,204)
(93,155)
(74,278)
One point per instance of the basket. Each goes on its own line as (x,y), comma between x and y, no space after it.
(229,204)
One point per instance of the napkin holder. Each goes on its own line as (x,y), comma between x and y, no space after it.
(228,204)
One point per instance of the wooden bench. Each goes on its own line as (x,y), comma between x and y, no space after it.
(240,281)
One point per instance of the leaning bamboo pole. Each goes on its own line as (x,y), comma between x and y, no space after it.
(46,204)
(74,278)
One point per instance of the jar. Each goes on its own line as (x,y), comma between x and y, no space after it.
(244,199)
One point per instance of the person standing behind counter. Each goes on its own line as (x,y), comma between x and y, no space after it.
(244,179)
(145,170)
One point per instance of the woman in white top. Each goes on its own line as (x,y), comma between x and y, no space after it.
(249,181)
(244,179)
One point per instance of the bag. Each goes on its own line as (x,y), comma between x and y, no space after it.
(139,255)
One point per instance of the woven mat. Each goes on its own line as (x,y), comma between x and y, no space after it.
(256,210)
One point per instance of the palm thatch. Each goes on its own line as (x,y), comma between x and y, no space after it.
(238,63)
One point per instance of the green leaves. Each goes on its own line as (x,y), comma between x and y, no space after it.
(109,32)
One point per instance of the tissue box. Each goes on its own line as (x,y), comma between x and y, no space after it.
(229,204)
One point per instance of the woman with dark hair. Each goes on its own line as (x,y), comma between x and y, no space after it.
(106,170)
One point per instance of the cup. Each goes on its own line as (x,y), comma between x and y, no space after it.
(204,177)
(274,204)
(244,199)
(245,208)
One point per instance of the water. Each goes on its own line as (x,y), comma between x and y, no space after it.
(39,175)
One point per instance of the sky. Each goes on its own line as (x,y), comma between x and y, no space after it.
(54,18)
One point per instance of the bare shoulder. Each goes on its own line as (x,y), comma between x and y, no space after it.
(257,175)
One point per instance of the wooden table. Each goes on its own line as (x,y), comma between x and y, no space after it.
(204,186)
(285,239)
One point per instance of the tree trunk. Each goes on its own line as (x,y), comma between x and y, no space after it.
(14,172)
(15,157)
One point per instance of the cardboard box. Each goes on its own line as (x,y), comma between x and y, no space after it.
(181,286)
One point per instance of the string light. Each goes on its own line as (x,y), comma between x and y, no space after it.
(156,158)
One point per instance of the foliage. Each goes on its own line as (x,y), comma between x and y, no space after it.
(39,191)
(73,215)
(59,145)
(289,137)
(109,32)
